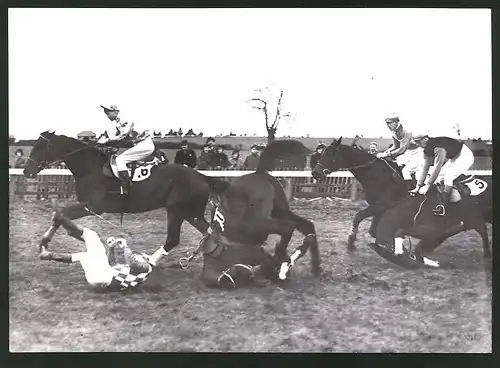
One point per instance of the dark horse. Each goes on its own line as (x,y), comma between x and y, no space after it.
(382,181)
(183,191)
(255,206)
(414,217)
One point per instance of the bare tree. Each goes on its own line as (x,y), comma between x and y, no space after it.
(457,129)
(262,103)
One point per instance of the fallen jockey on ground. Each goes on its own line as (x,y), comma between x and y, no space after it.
(120,269)
(143,144)
(450,157)
(407,154)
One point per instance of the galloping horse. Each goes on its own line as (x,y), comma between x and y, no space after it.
(183,191)
(414,217)
(382,181)
(251,209)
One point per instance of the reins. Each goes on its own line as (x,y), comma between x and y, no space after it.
(47,163)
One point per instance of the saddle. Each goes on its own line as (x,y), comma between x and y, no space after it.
(144,166)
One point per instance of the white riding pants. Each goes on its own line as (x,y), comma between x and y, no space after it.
(455,167)
(413,159)
(139,151)
(94,261)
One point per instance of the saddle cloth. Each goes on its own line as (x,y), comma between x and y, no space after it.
(464,185)
(111,170)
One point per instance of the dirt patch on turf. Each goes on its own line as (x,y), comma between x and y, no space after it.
(361,303)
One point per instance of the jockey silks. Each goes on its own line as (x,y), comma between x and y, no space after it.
(452,146)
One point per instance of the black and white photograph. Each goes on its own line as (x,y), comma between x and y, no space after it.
(307,180)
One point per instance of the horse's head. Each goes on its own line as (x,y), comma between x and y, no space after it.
(329,161)
(49,148)
(42,154)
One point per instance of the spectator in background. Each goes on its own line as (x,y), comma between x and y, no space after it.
(317,155)
(163,157)
(373,149)
(185,156)
(235,162)
(204,160)
(20,162)
(210,142)
(219,159)
(252,160)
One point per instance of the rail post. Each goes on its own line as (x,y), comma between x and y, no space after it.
(288,189)
(354,189)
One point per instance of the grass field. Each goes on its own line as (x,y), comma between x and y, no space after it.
(362,303)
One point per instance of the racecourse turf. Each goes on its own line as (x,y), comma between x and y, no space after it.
(361,303)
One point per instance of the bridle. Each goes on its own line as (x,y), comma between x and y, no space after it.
(326,171)
(44,164)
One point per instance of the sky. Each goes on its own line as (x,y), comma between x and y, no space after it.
(342,71)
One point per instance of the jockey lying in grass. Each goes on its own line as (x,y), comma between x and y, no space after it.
(451,158)
(119,270)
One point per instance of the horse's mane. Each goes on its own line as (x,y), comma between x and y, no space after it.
(79,144)
(281,149)
(362,153)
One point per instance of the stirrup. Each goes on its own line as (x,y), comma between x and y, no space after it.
(438,208)
(232,284)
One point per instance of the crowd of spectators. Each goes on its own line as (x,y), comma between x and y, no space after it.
(213,157)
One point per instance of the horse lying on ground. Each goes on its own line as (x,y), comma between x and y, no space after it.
(183,191)
(414,217)
(250,209)
(382,181)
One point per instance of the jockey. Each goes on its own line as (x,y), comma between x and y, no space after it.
(451,158)
(120,129)
(119,270)
(405,152)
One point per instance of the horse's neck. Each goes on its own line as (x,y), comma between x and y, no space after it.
(356,158)
(79,159)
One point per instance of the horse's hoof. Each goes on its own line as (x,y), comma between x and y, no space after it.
(350,241)
(316,272)
(351,249)
(44,245)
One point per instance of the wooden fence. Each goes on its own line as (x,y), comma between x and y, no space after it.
(60,183)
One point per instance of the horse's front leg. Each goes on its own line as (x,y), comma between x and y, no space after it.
(360,216)
(74,211)
(175,217)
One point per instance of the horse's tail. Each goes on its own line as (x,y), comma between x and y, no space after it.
(217,186)
(288,150)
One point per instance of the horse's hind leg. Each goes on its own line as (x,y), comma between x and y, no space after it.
(310,242)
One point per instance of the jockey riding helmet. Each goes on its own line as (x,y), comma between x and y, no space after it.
(110,108)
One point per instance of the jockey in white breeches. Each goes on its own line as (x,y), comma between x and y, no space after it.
(120,129)
(120,269)
(403,149)
(450,158)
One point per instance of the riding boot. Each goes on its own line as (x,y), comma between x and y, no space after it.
(125,181)
(59,257)
(440,209)
(73,229)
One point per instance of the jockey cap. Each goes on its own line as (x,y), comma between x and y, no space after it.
(392,119)
(110,108)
